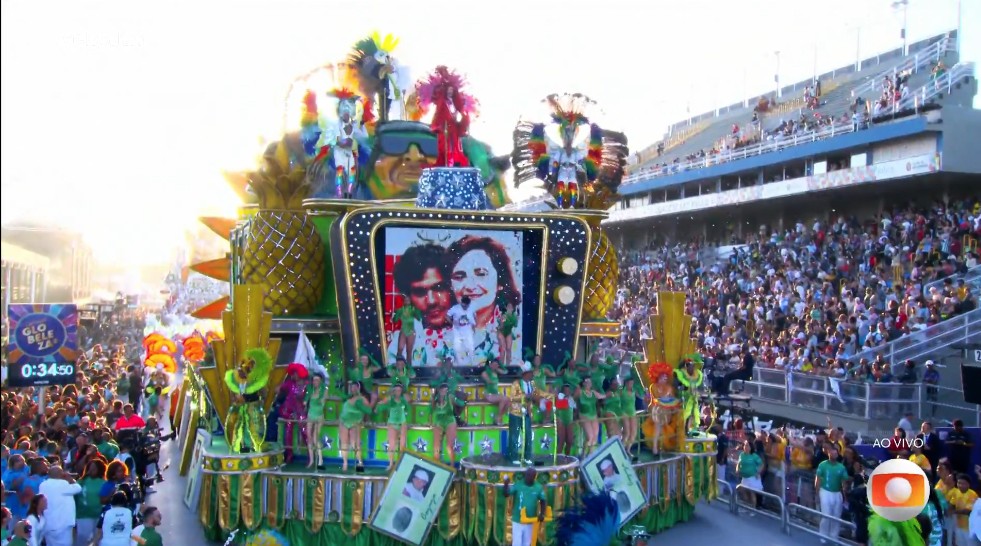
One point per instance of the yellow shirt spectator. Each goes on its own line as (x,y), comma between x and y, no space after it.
(800,458)
(776,452)
(962,501)
(921,461)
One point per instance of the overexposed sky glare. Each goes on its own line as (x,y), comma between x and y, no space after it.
(118,117)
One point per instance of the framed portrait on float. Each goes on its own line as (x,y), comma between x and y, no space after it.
(608,470)
(415,493)
(192,493)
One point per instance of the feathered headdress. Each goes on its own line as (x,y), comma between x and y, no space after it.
(343,94)
(592,523)
(902,533)
(658,369)
(434,87)
(569,109)
(262,367)
(309,123)
(299,369)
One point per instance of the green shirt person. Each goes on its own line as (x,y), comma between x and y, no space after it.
(147,533)
(829,480)
(749,468)
(529,496)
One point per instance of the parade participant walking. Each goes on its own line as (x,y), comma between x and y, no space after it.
(529,498)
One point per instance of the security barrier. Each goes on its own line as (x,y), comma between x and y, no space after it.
(794,520)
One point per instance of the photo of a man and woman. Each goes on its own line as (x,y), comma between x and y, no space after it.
(453,293)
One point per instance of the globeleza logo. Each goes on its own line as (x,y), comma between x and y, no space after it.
(898,490)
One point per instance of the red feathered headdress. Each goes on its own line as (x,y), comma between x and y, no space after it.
(658,369)
(435,86)
(299,369)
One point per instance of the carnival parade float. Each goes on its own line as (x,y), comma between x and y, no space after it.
(400,343)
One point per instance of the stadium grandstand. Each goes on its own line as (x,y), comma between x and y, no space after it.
(828,233)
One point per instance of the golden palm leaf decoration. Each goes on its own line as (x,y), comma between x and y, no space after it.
(671,341)
(246,327)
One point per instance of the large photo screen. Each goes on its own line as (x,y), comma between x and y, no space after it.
(453,293)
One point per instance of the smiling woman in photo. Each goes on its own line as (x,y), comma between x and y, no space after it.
(481,270)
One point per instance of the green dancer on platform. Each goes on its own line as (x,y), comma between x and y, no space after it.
(523,395)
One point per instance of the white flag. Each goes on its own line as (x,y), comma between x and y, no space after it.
(836,388)
(305,355)
(790,381)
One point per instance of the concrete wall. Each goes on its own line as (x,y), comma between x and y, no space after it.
(961,126)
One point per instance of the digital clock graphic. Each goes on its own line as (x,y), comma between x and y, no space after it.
(43,344)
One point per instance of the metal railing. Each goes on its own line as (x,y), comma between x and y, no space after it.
(933,88)
(805,525)
(928,340)
(921,59)
(778,143)
(852,398)
(780,516)
(971,277)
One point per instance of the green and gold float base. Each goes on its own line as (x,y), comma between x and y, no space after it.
(329,507)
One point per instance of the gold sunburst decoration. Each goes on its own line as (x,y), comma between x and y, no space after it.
(246,326)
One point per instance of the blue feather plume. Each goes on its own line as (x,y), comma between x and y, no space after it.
(593,523)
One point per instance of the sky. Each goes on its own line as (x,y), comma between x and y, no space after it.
(118,117)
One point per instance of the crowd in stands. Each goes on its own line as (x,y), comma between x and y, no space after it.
(895,92)
(78,460)
(813,296)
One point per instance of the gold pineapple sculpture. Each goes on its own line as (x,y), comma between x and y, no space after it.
(603,271)
(283,252)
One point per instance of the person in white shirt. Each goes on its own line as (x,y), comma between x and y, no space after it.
(414,488)
(36,519)
(60,490)
(464,320)
(115,526)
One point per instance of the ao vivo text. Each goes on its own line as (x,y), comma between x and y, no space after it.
(898,443)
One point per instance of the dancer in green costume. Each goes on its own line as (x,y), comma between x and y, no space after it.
(565,406)
(313,399)
(586,399)
(690,378)
(363,372)
(444,422)
(505,333)
(245,425)
(397,406)
(353,412)
(612,409)
(407,315)
(401,373)
(492,389)
(446,374)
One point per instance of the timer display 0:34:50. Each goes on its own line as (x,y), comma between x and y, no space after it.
(46,370)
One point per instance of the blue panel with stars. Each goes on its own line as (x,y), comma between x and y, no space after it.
(457,188)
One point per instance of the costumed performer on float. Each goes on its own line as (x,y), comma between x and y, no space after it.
(363,372)
(663,404)
(586,399)
(313,398)
(381,76)
(690,378)
(569,152)
(353,412)
(397,406)
(522,397)
(464,321)
(406,316)
(339,140)
(245,425)
(452,110)
(290,403)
